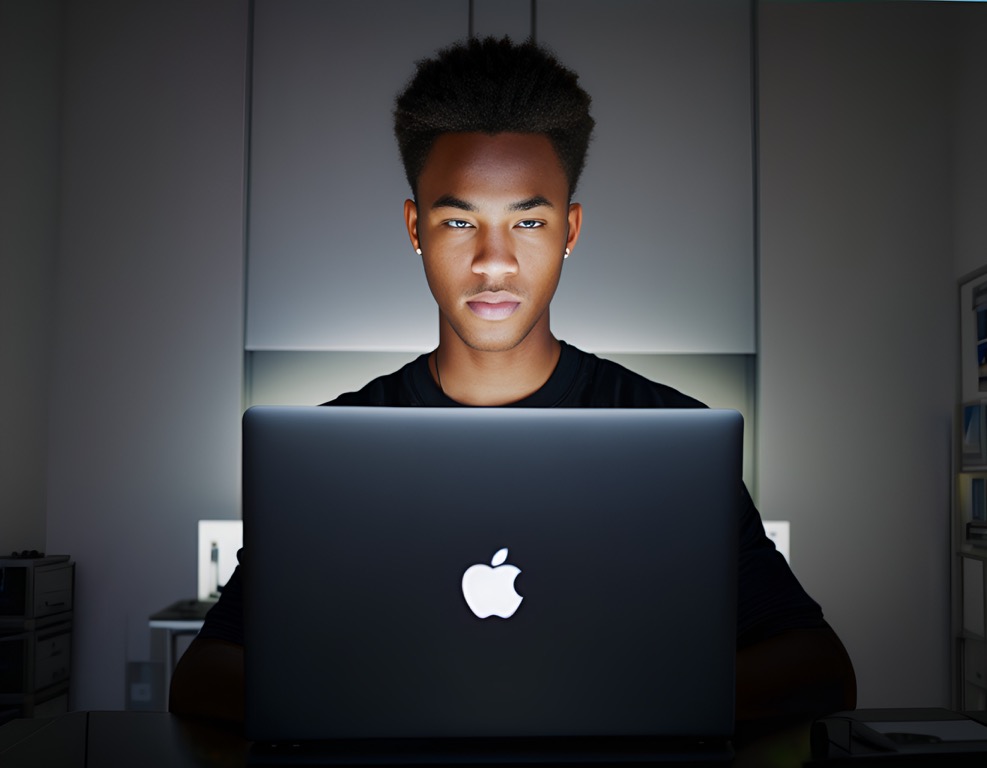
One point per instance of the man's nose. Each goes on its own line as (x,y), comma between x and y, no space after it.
(495,256)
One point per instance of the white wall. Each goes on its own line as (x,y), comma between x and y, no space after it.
(858,318)
(146,386)
(665,265)
(29,81)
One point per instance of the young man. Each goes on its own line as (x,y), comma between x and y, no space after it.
(494,136)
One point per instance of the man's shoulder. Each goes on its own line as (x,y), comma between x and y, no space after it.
(581,380)
(602,383)
(393,389)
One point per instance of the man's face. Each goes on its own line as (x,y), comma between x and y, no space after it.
(493,221)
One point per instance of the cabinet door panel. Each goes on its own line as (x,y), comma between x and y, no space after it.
(329,262)
(665,262)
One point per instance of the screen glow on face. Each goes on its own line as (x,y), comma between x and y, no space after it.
(492,221)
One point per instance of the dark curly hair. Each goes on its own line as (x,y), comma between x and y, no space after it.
(493,86)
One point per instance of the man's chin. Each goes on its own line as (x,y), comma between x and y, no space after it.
(495,337)
(492,343)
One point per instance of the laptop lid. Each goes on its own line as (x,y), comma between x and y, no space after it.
(489,573)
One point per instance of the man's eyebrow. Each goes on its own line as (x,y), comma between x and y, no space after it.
(451,201)
(531,202)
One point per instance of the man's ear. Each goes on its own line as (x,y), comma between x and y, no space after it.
(575,223)
(411,221)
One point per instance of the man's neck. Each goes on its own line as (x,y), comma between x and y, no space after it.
(473,377)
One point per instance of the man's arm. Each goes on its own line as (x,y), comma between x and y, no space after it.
(796,674)
(208,681)
(790,663)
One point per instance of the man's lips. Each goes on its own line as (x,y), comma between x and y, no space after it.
(494,306)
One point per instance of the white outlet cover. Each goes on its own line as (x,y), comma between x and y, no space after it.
(779,531)
(228,535)
(140,692)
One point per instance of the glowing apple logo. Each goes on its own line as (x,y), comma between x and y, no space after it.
(489,589)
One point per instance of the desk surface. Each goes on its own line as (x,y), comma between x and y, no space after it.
(160,740)
(111,739)
(182,612)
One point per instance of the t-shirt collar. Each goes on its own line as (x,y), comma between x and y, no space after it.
(550,395)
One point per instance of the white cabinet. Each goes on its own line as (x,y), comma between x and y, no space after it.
(36,596)
(666,258)
(665,262)
(329,265)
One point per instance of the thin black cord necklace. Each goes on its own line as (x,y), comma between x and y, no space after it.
(438,375)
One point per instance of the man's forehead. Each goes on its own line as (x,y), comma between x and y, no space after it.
(521,166)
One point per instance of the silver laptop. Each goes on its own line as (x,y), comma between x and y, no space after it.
(534,584)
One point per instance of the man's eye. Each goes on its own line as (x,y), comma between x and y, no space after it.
(529,224)
(457,224)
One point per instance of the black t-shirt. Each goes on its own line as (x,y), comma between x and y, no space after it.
(769,600)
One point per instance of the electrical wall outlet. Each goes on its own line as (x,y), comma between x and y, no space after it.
(219,541)
(145,686)
(779,532)
(141,693)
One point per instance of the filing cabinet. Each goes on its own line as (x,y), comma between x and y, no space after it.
(36,596)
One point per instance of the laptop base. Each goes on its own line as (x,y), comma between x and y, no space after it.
(541,751)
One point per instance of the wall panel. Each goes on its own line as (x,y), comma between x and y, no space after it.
(665,263)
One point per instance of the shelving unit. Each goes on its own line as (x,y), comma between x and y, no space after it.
(969,515)
(971,570)
(36,598)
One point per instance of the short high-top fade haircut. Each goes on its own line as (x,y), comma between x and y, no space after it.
(493,86)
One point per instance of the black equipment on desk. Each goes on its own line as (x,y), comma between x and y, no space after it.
(901,736)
